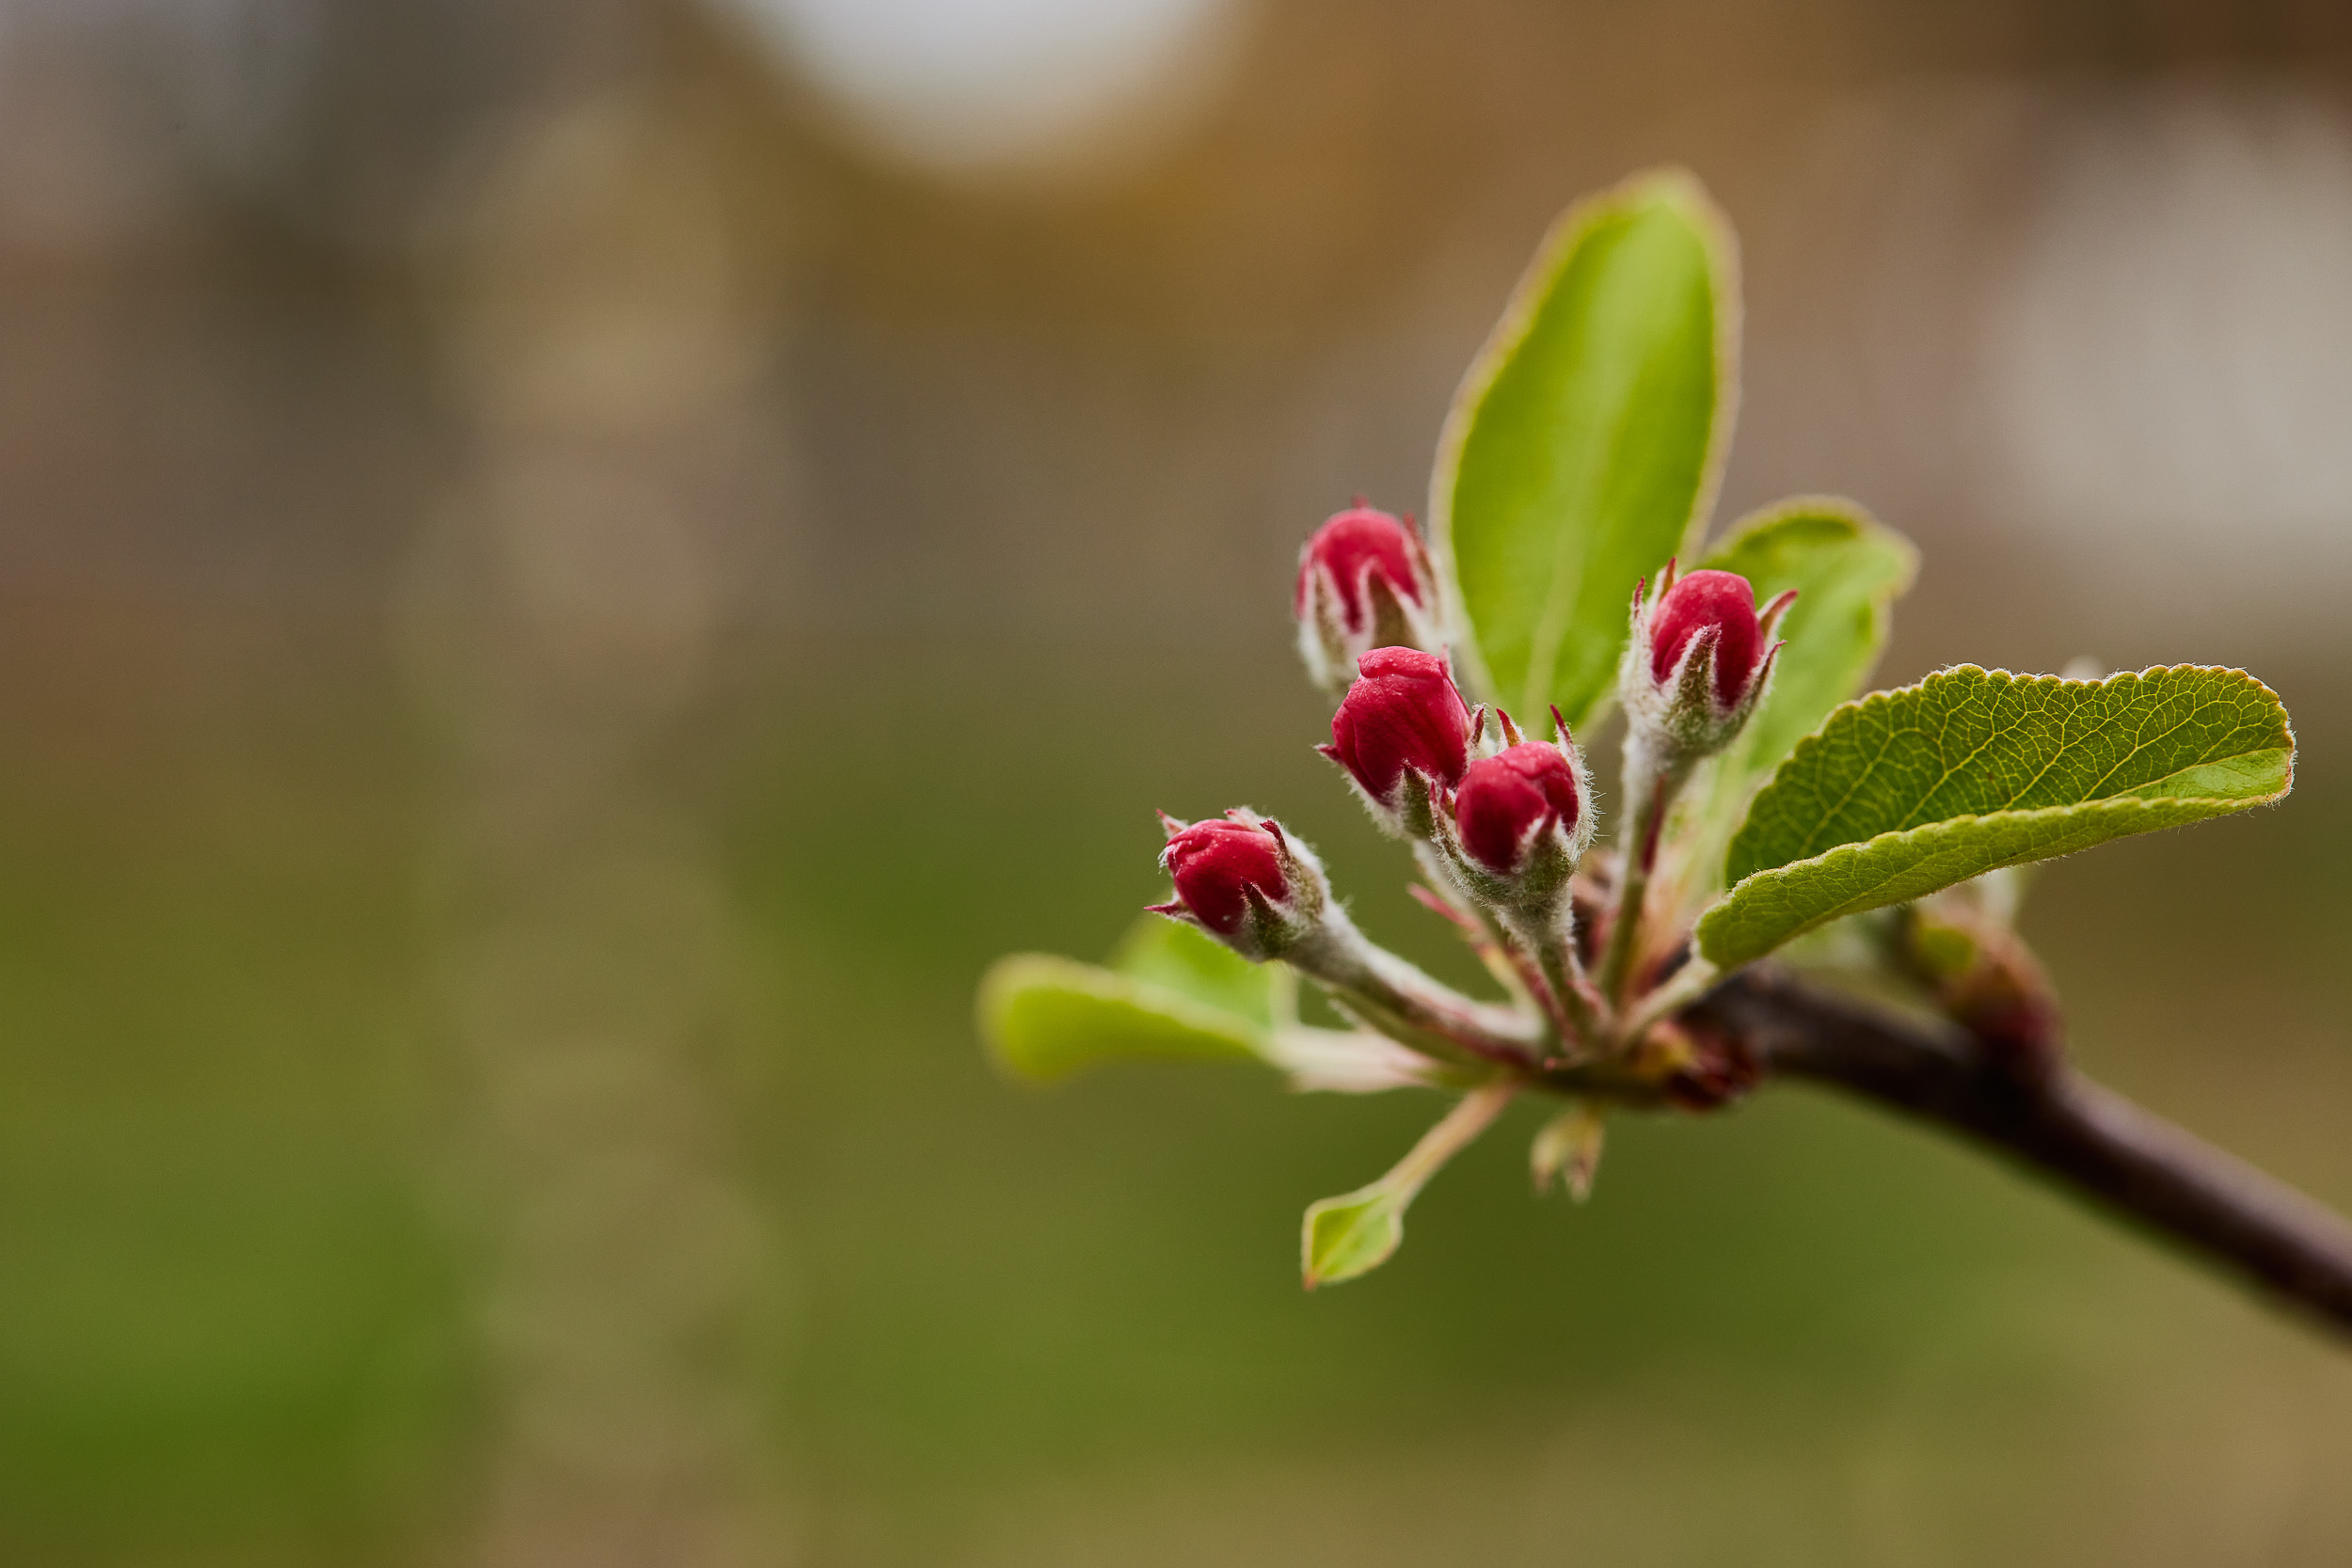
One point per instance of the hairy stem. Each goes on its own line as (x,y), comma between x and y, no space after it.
(2088,1138)
(1651,782)
(1549,935)
(1397,999)
(1478,925)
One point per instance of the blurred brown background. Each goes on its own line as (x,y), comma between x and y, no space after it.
(572,571)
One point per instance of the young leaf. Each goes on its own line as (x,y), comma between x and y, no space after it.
(1583,447)
(1908,791)
(1046,1017)
(1352,1234)
(1848,570)
(1190,962)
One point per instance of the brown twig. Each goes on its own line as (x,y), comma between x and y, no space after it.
(2056,1123)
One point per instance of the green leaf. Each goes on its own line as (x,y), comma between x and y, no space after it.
(1046,1017)
(1848,570)
(1194,964)
(1908,791)
(1583,447)
(1353,1233)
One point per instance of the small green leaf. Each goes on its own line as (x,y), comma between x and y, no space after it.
(1046,1017)
(1352,1234)
(1906,792)
(1192,963)
(1583,447)
(1848,570)
(1355,1233)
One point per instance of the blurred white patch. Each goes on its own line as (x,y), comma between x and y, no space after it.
(1055,87)
(602,290)
(2168,358)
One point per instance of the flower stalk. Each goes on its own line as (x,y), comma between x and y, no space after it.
(1695,667)
(1393,996)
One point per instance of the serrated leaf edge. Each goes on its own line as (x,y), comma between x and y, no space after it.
(2224,805)
(2116,805)
(1886,698)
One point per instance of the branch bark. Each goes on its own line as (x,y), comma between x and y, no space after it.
(2059,1123)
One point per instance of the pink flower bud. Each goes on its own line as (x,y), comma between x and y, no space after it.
(1216,866)
(1402,717)
(1246,882)
(1721,600)
(1698,660)
(1506,799)
(1351,549)
(1364,581)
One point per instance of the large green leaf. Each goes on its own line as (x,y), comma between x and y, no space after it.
(1046,1017)
(1908,791)
(1848,570)
(1584,446)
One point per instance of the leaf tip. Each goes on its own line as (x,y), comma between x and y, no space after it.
(1341,1237)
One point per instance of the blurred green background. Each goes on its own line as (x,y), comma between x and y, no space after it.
(573,572)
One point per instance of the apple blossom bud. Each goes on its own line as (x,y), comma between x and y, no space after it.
(1507,800)
(1699,659)
(1243,881)
(1364,581)
(1402,731)
(1217,866)
(1519,821)
(1723,601)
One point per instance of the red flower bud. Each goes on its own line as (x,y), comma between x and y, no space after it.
(1351,549)
(1723,600)
(1401,714)
(1364,581)
(1216,862)
(1697,664)
(1507,799)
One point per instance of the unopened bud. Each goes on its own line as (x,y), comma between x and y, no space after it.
(1244,881)
(1700,657)
(1509,800)
(1519,821)
(1364,582)
(1402,732)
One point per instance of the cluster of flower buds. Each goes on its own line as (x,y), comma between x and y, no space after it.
(1501,820)
(1698,662)
(1244,881)
(1364,582)
(1498,823)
